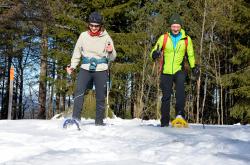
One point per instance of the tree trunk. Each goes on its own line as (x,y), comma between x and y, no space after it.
(216,78)
(50,104)
(201,52)
(58,92)
(150,84)
(43,74)
(51,98)
(63,101)
(2,92)
(15,94)
(20,98)
(206,80)
(201,57)
(139,109)
(4,111)
(57,102)
(132,102)
(221,93)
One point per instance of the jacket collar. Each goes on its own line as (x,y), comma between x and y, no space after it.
(183,34)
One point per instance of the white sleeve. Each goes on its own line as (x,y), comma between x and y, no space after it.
(76,57)
(112,55)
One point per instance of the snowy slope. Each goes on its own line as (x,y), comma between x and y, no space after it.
(122,142)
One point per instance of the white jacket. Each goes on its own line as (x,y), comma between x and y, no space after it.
(92,46)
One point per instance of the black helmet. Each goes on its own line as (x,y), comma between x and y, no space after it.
(95,17)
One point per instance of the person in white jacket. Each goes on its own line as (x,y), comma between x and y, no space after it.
(94,49)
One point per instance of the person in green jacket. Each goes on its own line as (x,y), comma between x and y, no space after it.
(176,44)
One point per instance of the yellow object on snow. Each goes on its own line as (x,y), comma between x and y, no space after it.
(179,123)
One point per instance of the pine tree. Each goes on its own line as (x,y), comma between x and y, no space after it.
(237,78)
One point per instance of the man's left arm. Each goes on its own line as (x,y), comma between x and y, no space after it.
(191,58)
(190,53)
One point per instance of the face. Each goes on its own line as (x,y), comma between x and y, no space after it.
(94,27)
(175,28)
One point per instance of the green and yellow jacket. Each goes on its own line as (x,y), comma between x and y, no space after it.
(173,57)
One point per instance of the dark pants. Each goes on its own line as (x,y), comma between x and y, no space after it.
(166,84)
(100,81)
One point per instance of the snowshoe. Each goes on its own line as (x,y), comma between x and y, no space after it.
(179,122)
(71,122)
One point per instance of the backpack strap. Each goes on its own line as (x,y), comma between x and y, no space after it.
(186,43)
(165,39)
(185,59)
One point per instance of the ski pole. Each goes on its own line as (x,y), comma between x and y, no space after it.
(107,101)
(108,88)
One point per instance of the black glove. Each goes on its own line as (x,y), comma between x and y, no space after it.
(196,72)
(156,54)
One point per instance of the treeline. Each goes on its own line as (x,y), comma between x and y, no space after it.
(37,38)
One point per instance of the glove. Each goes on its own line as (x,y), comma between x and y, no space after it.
(109,48)
(196,72)
(69,69)
(156,54)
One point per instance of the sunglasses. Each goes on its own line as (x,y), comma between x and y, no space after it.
(96,26)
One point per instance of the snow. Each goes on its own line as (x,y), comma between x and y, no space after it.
(121,142)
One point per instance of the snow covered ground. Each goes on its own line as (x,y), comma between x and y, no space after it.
(122,142)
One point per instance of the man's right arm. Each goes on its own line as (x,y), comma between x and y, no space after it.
(157,48)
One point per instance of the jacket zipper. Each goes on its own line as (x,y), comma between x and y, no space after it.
(174,55)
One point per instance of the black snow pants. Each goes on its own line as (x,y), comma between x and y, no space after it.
(99,79)
(166,85)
